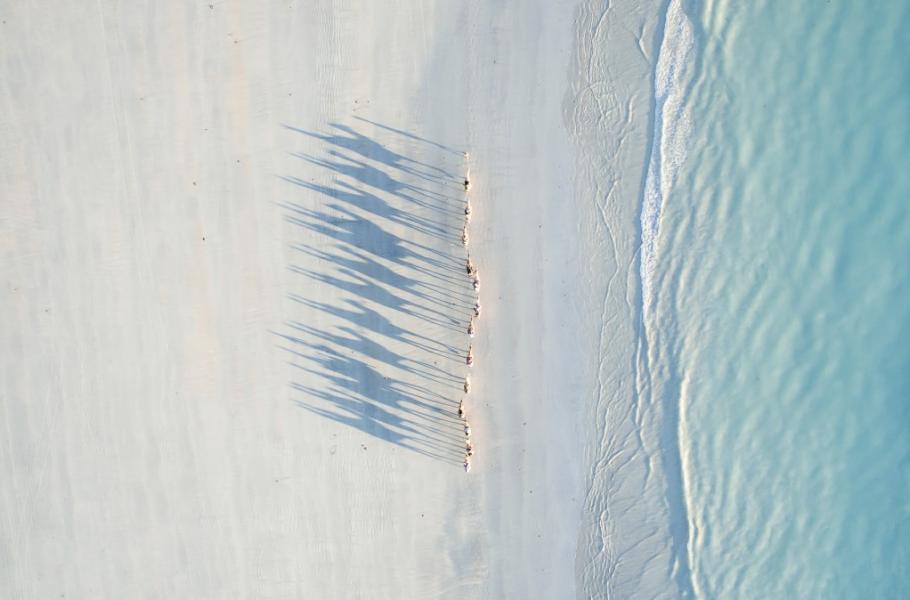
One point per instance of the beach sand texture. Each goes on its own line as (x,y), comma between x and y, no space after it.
(235,302)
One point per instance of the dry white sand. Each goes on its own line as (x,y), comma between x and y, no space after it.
(234,301)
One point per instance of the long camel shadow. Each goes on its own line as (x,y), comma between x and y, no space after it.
(379,298)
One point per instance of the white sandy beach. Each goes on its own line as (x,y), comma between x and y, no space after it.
(235,299)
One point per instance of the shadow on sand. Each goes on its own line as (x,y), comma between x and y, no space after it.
(379,285)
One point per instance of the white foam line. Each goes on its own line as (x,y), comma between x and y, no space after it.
(672,129)
(671,134)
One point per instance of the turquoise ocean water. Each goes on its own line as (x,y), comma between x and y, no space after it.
(776,280)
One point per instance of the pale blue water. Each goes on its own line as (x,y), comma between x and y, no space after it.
(777,290)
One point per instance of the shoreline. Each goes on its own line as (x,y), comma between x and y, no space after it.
(627,544)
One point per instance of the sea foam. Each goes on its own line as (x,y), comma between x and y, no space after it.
(672,128)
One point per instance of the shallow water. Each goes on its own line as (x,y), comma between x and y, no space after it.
(775,287)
